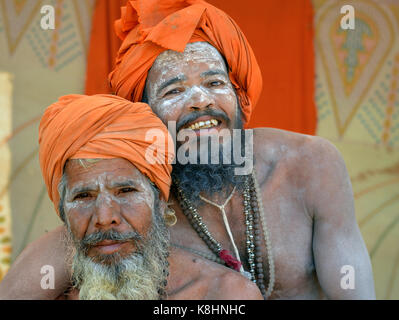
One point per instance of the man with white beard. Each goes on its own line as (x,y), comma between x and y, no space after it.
(119,260)
(112,198)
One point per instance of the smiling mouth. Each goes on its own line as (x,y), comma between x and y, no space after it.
(204,124)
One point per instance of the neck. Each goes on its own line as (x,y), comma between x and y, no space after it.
(219,205)
(211,186)
(254,221)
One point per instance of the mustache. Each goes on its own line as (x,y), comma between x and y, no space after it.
(96,237)
(196,114)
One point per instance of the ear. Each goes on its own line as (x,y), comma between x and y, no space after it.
(162,206)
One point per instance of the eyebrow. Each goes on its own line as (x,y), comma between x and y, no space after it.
(167,83)
(122,184)
(118,184)
(212,73)
(79,189)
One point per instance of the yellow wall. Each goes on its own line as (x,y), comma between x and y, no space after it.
(357,96)
(36,67)
(5,164)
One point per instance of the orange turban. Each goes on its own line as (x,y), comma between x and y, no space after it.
(103,126)
(149,27)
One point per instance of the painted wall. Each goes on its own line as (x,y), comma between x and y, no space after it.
(36,67)
(357,96)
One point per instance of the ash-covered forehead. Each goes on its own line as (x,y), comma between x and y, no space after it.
(195,51)
(201,52)
(170,64)
(81,172)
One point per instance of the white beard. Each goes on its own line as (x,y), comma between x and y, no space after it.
(136,277)
(130,279)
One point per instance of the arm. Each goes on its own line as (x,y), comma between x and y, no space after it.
(231,285)
(23,280)
(194,278)
(227,286)
(337,240)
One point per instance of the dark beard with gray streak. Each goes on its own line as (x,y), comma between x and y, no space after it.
(209,179)
(138,276)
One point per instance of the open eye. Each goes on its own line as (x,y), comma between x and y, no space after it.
(173,91)
(82,195)
(216,83)
(126,190)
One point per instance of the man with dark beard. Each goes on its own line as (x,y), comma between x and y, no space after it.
(109,182)
(289,224)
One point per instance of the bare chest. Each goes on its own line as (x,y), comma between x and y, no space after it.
(290,232)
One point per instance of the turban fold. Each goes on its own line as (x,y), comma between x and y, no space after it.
(103,127)
(149,27)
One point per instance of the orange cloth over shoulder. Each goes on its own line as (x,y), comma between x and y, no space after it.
(149,27)
(103,127)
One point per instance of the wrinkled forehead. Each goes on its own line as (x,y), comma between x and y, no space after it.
(195,54)
(108,171)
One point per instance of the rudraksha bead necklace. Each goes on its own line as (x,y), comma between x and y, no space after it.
(164,282)
(254,213)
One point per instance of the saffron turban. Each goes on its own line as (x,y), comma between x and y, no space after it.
(149,27)
(103,127)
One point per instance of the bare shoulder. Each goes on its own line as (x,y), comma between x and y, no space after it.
(192,278)
(24,277)
(277,143)
(300,153)
(308,163)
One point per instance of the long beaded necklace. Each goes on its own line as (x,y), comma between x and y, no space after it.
(227,226)
(164,282)
(253,210)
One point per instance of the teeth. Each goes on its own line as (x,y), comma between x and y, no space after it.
(204,125)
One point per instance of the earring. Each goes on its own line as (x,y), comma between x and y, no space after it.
(170,217)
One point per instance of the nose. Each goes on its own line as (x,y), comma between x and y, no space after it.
(107,213)
(199,99)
